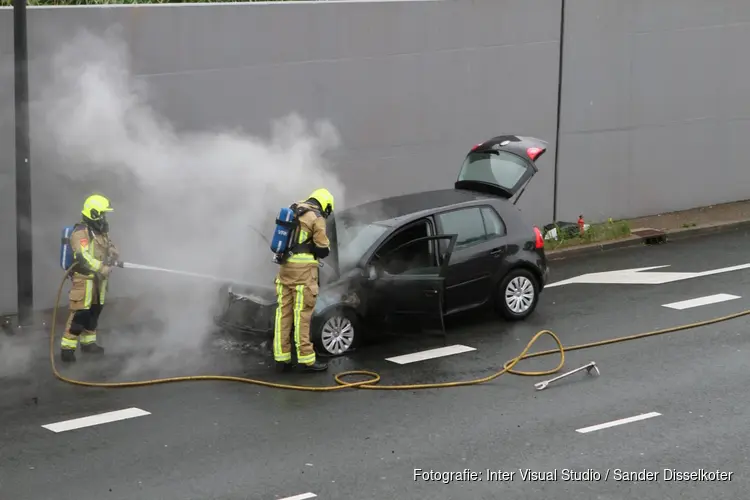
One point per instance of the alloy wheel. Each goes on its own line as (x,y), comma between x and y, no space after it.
(337,334)
(519,294)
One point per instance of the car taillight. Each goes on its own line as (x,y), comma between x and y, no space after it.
(534,153)
(539,238)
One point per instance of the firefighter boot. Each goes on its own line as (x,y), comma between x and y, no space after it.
(317,366)
(283,367)
(92,349)
(88,343)
(68,355)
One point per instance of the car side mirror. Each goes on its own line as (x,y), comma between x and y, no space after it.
(372,273)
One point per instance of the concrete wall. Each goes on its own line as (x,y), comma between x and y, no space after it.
(654,95)
(409,85)
(655,108)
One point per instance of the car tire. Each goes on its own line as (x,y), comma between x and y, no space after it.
(517,295)
(336,332)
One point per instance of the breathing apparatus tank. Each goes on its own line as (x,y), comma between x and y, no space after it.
(286,222)
(66,251)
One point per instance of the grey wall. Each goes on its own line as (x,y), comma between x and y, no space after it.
(653,95)
(409,85)
(655,106)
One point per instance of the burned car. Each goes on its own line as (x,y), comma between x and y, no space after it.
(421,255)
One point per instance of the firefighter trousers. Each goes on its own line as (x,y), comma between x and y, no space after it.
(85,307)
(297,293)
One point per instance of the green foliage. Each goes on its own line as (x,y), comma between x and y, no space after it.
(596,233)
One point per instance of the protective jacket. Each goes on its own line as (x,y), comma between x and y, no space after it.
(92,251)
(297,287)
(312,241)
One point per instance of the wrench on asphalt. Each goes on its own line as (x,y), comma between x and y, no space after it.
(588,367)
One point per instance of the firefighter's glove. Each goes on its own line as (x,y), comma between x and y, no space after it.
(104,271)
(320,252)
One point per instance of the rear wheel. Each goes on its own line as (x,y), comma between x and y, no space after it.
(517,295)
(336,332)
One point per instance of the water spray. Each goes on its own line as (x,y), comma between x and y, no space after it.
(130,265)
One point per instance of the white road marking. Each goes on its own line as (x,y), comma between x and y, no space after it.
(701,301)
(102,418)
(430,354)
(303,496)
(614,423)
(636,276)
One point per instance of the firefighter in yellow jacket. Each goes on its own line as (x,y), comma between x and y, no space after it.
(94,254)
(297,283)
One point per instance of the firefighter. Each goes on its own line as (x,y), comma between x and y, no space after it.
(94,256)
(297,283)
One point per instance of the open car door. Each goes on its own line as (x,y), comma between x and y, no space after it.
(502,166)
(412,287)
(333,258)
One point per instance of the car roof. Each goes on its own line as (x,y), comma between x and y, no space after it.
(397,210)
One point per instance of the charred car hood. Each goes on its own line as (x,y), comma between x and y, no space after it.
(264,296)
(341,291)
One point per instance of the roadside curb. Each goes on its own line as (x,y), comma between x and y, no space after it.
(638,241)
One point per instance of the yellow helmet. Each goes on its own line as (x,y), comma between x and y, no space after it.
(95,207)
(324,198)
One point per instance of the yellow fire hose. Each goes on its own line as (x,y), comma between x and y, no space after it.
(371,383)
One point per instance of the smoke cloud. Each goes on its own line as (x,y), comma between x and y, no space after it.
(15,355)
(183,200)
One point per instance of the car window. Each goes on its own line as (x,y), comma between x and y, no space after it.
(355,240)
(493,224)
(467,223)
(500,168)
(402,254)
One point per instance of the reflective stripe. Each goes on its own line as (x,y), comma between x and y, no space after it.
(102,291)
(307,360)
(283,358)
(89,294)
(87,254)
(278,353)
(69,343)
(302,258)
(88,338)
(298,305)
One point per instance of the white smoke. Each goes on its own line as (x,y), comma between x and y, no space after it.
(182,200)
(15,355)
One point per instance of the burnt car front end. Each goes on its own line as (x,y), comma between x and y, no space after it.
(247,310)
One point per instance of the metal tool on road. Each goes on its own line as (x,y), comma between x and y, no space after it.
(588,367)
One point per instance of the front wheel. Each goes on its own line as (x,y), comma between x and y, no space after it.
(336,332)
(517,295)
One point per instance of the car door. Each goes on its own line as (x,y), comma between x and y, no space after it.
(479,251)
(416,290)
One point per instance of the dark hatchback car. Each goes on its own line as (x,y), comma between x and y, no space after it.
(420,256)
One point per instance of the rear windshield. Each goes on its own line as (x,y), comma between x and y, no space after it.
(501,168)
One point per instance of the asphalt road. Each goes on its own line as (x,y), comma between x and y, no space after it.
(229,441)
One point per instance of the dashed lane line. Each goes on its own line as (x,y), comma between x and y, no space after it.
(701,301)
(303,496)
(101,418)
(430,354)
(615,423)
